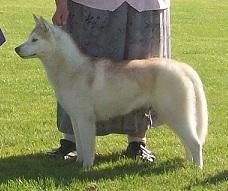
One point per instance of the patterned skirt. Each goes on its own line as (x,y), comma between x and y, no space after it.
(121,34)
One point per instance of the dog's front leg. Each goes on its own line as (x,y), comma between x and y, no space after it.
(77,139)
(87,134)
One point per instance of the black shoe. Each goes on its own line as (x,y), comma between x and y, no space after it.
(137,150)
(67,150)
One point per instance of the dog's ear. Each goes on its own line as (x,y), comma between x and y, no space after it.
(44,25)
(36,19)
(39,22)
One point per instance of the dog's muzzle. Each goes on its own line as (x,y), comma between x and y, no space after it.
(18,51)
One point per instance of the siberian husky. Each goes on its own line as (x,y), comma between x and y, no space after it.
(92,89)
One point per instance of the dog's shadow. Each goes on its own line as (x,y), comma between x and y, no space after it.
(218,178)
(39,166)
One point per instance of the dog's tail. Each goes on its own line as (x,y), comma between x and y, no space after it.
(200,103)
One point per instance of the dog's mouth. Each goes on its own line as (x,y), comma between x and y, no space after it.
(31,56)
(27,56)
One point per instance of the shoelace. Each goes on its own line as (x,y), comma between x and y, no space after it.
(145,154)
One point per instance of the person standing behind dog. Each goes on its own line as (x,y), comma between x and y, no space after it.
(115,29)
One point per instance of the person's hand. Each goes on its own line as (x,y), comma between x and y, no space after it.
(61,14)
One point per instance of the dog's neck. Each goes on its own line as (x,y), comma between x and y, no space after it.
(66,59)
(65,49)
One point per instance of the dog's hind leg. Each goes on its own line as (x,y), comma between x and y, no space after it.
(87,133)
(188,152)
(190,140)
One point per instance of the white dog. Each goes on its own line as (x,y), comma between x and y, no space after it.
(92,89)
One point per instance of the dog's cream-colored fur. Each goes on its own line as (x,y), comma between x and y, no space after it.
(91,89)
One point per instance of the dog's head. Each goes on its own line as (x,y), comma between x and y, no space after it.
(41,40)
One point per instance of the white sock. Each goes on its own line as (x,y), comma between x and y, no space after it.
(136,139)
(69,137)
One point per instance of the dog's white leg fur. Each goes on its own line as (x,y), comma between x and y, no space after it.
(185,128)
(77,139)
(87,133)
(180,114)
(78,145)
(187,153)
(190,140)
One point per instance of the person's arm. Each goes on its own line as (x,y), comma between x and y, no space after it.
(61,14)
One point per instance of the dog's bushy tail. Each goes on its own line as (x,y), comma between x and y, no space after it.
(200,103)
(201,111)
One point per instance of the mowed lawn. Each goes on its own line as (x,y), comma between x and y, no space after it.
(28,118)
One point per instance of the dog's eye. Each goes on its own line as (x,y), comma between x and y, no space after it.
(34,39)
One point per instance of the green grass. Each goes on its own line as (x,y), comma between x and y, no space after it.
(27,112)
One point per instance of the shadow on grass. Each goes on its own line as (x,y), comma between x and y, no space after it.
(114,166)
(218,178)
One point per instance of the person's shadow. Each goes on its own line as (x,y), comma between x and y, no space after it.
(36,166)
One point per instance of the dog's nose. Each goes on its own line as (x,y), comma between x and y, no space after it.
(17,49)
